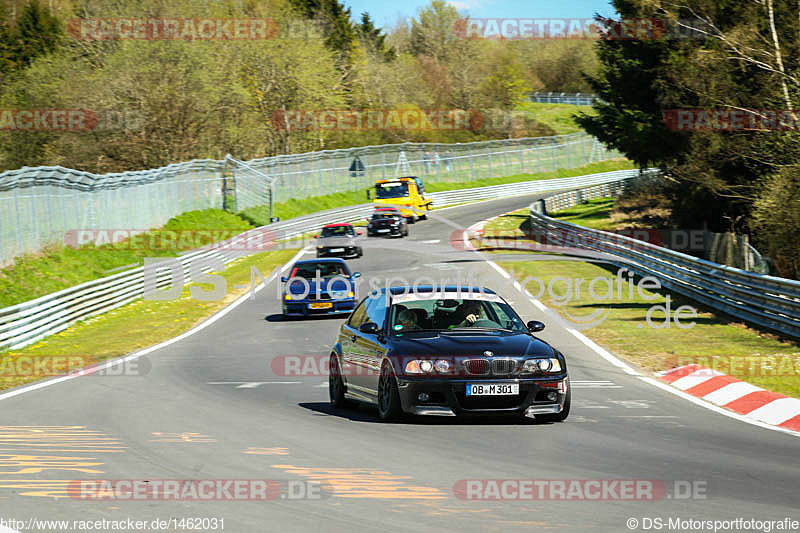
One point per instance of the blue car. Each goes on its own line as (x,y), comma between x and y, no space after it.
(319,287)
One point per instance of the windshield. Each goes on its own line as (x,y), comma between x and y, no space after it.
(338,231)
(380,216)
(450,314)
(326,270)
(391,189)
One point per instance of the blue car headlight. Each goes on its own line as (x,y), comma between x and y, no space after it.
(341,295)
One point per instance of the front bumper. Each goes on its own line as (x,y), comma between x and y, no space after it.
(394,231)
(346,251)
(303,307)
(448,397)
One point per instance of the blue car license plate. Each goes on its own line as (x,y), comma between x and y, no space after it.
(492,389)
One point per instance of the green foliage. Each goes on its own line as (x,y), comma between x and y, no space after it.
(776,216)
(374,38)
(335,19)
(164,101)
(37,33)
(718,176)
(559,65)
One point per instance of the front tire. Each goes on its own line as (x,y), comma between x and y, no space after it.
(389,407)
(335,384)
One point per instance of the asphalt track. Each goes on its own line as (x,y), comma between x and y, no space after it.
(211,407)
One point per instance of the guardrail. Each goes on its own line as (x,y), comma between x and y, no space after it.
(766,301)
(28,322)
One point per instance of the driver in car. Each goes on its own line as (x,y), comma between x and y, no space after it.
(469,312)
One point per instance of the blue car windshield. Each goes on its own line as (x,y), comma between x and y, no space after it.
(326,270)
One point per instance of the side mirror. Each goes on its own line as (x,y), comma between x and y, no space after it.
(369,195)
(534,326)
(284,279)
(356,275)
(359,232)
(370,328)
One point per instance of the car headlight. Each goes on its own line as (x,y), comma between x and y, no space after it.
(320,247)
(339,294)
(442,366)
(427,366)
(287,296)
(412,367)
(548,366)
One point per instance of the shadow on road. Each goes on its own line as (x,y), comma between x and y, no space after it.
(281,318)
(358,412)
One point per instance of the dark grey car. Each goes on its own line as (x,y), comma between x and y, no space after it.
(338,240)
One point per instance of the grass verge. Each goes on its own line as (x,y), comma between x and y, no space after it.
(139,324)
(558,117)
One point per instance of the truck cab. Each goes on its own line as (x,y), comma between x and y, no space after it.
(399,192)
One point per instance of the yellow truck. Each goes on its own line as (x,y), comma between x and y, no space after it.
(400,192)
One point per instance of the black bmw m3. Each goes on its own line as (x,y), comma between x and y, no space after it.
(446,351)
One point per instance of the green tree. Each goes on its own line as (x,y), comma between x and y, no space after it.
(506,85)
(777,234)
(374,38)
(742,55)
(336,20)
(37,33)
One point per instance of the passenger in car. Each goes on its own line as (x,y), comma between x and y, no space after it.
(408,319)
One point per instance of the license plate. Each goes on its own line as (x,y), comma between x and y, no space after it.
(321,305)
(383,231)
(492,389)
(334,250)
